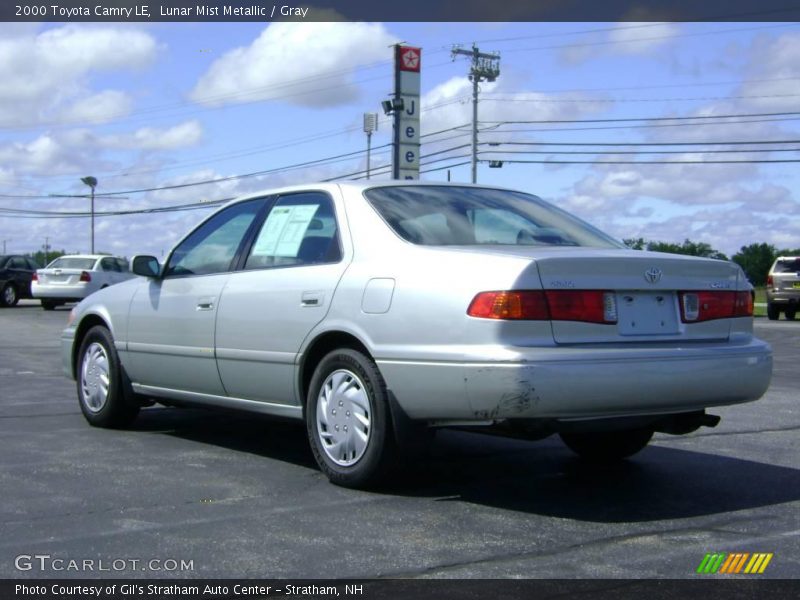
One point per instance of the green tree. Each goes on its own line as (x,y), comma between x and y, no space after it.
(755,260)
(687,247)
(39,256)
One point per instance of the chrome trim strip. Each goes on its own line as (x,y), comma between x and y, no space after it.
(284,358)
(194,351)
(267,408)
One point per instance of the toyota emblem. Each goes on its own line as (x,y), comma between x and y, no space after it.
(653,275)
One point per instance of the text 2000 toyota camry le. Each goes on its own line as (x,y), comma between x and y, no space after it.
(374,311)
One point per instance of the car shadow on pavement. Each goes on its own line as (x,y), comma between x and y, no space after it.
(268,437)
(545,478)
(541,478)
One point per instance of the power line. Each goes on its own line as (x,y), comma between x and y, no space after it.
(732,143)
(651,126)
(653,162)
(628,119)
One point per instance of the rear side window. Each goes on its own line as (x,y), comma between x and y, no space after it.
(300,229)
(463,216)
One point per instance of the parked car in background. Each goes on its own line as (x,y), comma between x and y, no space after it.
(783,288)
(73,277)
(16,273)
(379,312)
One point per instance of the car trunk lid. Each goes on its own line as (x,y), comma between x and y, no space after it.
(644,288)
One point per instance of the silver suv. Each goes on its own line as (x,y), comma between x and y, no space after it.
(783,287)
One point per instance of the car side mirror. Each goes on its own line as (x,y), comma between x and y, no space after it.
(146,266)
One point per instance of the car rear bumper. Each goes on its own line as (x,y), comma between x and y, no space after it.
(582,382)
(60,292)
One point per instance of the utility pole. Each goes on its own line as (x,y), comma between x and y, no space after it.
(485,67)
(46,249)
(92,183)
(4,246)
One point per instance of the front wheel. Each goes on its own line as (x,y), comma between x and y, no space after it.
(347,419)
(49,304)
(607,446)
(9,296)
(101,384)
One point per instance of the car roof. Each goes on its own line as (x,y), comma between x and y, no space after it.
(358,186)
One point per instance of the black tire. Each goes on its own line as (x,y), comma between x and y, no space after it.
(346,464)
(49,304)
(97,355)
(773,312)
(607,446)
(790,314)
(9,295)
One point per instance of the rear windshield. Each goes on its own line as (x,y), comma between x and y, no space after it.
(789,265)
(71,262)
(462,216)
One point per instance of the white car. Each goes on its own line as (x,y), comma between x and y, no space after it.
(72,278)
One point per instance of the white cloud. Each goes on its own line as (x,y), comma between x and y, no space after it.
(150,138)
(47,72)
(624,39)
(98,108)
(308,64)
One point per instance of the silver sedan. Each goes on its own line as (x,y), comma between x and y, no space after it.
(380,312)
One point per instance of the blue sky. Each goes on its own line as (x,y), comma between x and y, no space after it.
(147,106)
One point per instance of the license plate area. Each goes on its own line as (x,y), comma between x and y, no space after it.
(796,285)
(647,313)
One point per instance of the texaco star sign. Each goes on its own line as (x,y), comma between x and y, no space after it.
(410,59)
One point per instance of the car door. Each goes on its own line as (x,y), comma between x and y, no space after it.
(284,288)
(21,273)
(108,270)
(171,319)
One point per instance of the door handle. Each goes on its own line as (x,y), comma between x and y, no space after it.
(312,298)
(205,304)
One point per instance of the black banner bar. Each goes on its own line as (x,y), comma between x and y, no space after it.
(415,589)
(396,10)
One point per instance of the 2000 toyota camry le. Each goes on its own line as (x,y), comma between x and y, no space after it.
(377,311)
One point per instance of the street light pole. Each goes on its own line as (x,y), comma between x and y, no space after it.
(370,125)
(92,183)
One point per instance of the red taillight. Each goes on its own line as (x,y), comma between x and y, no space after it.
(770,281)
(593,306)
(85,276)
(707,306)
(35,277)
(527,305)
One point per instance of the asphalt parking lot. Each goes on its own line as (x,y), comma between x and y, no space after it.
(236,496)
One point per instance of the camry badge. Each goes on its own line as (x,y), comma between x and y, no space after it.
(653,275)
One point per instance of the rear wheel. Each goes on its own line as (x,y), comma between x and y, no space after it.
(790,314)
(608,445)
(347,419)
(103,399)
(9,296)
(773,312)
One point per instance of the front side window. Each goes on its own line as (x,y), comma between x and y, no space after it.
(212,247)
(463,216)
(300,229)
